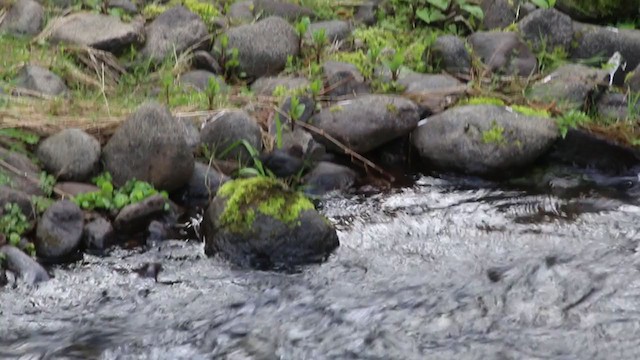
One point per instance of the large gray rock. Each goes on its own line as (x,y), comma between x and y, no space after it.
(499,13)
(591,41)
(25,17)
(26,170)
(547,29)
(367,122)
(432,92)
(335,30)
(36,78)
(71,154)
(597,10)
(59,230)
(136,217)
(281,9)
(503,53)
(23,265)
(263,47)
(450,54)
(343,79)
(20,198)
(98,235)
(149,146)
(202,186)
(569,86)
(227,129)
(258,223)
(268,84)
(199,80)
(102,32)
(483,139)
(175,30)
(327,176)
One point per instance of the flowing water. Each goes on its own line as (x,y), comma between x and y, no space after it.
(442,269)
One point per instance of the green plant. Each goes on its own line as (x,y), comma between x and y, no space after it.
(213,90)
(316,87)
(544,4)
(108,197)
(495,135)
(394,64)
(18,139)
(295,110)
(13,224)
(229,58)
(320,40)
(302,27)
(47,183)
(571,119)
(167,85)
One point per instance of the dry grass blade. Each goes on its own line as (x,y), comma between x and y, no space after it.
(3,14)
(99,62)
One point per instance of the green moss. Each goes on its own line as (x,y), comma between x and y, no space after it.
(264,195)
(495,135)
(208,12)
(529,111)
(358,59)
(481,100)
(336,108)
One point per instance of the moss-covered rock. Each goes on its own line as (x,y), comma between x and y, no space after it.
(599,9)
(258,222)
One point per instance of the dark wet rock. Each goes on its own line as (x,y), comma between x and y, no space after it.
(71,154)
(365,13)
(263,47)
(149,146)
(327,176)
(199,80)
(459,139)
(74,188)
(367,121)
(335,30)
(617,106)
(547,29)
(432,92)
(59,230)
(150,270)
(41,80)
(203,60)
(23,265)
(282,9)
(191,134)
(227,128)
(157,232)
(601,43)
(499,13)
(343,79)
(311,149)
(241,11)
(98,235)
(267,85)
(202,186)
(284,162)
(588,150)
(633,80)
(598,10)
(102,32)
(126,5)
(23,165)
(24,17)
(13,196)
(450,54)
(136,217)
(569,86)
(174,31)
(258,223)
(503,53)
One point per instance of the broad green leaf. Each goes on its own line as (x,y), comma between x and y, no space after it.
(430,15)
(473,10)
(440,4)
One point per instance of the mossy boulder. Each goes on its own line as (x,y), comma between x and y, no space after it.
(599,9)
(259,223)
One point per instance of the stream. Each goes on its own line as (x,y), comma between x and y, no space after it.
(443,269)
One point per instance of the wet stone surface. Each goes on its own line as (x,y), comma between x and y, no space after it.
(439,270)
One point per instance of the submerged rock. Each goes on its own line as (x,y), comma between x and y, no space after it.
(23,265)
(59,230)
(257,222)
(483,139)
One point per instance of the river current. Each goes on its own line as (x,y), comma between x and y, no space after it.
(442,269)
